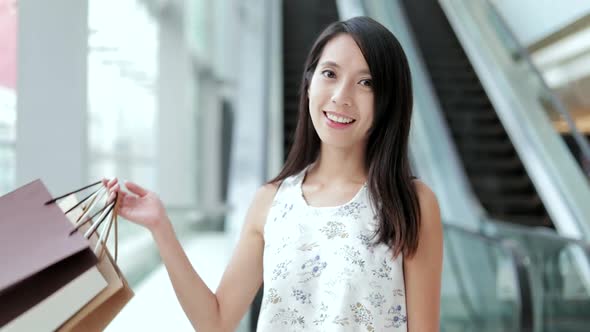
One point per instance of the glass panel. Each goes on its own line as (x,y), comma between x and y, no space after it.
(481,289)
(561,275)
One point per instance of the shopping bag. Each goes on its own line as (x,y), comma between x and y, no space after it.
(48,269)
(101,310)
(101,317)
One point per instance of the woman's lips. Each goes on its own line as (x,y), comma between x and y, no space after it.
(337,125)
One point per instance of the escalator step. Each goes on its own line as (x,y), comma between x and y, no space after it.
(491,147)
(454,77)
(466,103)
(499,166)
(471,118)
(483,151)
(493,130)
(475,116)
(503,185)
(477,143)
(515,201)
(458,91)
(532,221)
(445,51)
(439,64)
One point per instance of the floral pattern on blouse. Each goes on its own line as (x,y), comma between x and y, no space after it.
(334,229)
(324,271)
(312,268)
(289,317)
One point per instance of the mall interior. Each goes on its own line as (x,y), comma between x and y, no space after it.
(197,101)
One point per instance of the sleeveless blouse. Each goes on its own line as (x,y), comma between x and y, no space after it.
(323,271)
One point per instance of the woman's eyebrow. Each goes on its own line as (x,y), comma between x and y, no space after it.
(330,63)
(335,65)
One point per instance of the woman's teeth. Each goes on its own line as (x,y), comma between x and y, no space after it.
(338,119)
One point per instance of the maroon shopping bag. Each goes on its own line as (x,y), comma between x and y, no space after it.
(39,252)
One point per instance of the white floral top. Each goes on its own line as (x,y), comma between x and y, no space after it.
(322,272)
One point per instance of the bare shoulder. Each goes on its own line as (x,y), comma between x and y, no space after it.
(265,194)
(428,201)
(261,205)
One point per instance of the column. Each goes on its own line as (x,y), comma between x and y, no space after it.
(51,136)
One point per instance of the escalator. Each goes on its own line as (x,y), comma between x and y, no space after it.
(557,265)
(492,165)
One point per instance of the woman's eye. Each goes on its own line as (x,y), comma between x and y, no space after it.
(328,73)
(367,83)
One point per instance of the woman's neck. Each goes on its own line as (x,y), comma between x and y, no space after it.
(340,166)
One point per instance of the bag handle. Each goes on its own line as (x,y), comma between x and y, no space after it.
(73,192)
(109,209)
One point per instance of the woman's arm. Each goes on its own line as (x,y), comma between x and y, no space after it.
(243,276)
(423,271)
(223,310)
(207,311)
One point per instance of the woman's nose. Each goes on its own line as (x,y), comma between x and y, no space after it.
(341,95)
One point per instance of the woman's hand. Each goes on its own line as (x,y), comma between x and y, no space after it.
(140,206)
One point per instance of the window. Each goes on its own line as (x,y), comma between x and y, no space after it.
(122,68)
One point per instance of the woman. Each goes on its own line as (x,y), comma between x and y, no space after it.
(344,238)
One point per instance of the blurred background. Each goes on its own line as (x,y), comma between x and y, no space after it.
(196,100)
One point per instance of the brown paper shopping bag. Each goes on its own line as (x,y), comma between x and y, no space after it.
(98,313)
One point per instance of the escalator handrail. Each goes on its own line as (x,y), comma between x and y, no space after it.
(541,233)
(544,242)
(520,266)
(556,102)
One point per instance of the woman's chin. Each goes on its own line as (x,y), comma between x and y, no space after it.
(337,141)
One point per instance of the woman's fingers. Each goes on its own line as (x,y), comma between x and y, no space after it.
(136,189)
(109,183)
(112,182)
(120,197)
(114,187)
(113,192)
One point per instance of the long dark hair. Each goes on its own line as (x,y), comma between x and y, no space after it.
(389,179)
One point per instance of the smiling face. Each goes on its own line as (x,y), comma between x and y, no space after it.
(341,99)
